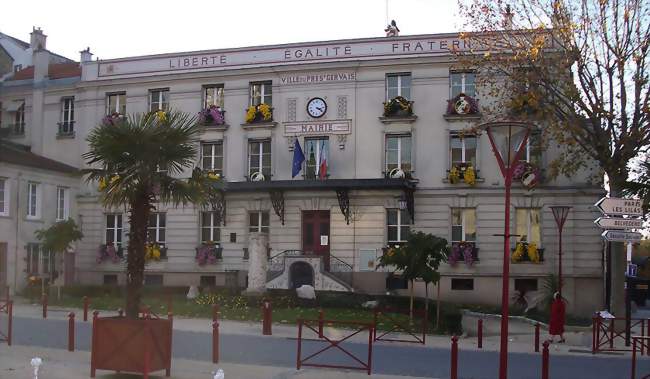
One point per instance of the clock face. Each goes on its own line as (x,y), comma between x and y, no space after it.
(316,107)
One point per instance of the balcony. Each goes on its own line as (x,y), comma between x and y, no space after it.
(259,116)
(66,130)
(398,109)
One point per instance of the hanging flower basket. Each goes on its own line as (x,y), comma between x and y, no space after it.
(208,253)
(259,113)
(398,107)
(212,116)
(109,252)
(462,105)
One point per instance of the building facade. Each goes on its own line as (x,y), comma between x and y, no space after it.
(382,126)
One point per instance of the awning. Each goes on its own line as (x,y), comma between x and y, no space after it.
(12,106)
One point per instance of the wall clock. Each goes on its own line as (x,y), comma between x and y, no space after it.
(316,107)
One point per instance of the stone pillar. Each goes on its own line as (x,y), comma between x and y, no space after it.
(258,261)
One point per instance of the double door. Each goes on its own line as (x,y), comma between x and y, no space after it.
(316,234)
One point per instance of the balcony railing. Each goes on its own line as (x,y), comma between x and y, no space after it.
(66,129)
(17,129)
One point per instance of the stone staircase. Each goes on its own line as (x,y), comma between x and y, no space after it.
(284,272)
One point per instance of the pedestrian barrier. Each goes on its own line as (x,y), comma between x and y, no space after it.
(267,317)
(642,344)
(607,334)
(357,328)
(6,312)
(415,331)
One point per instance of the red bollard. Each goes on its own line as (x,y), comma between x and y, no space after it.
(480,333)
(266,318)
(71,331)
(545,361)
(86,303)
(215,341)
(454,358)
(537,337)
(320,324)
(215,312)
(44,300)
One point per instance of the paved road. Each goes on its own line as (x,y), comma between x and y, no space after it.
(387,359)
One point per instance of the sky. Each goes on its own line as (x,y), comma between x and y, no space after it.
(120,28)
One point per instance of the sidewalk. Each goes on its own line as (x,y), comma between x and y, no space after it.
(61,364)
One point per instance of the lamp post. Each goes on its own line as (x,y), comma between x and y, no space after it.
(560,213)
(508,140)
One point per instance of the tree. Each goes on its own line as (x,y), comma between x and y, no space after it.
(640,186)
(58,238)
(418,258)
(581,67)
(137,162)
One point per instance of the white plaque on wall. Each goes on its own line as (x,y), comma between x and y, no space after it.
(305,128)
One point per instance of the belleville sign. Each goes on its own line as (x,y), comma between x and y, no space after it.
(362,49)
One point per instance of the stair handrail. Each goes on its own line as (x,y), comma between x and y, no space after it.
(342,261)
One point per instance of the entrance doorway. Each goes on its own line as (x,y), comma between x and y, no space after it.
(316,235)
(301,273)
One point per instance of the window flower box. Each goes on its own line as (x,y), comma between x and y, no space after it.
(154,253)
(209,253)
(109,252)
(398,107)
(525,252)
(462,105)
(259,113)
(462,172)
(212,116)
(397,173)
(463,251)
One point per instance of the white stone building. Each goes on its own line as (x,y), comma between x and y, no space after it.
(386,174)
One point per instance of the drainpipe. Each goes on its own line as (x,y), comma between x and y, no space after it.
(17,226)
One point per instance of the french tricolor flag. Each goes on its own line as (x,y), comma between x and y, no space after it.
(322,162)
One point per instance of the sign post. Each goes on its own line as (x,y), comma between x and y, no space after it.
(621,215)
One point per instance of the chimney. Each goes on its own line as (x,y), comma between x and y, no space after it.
(38,39)
(507,18)
(86,55)
(40,55)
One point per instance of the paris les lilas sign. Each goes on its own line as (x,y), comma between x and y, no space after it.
(613,206)
(361,49)
(620,214)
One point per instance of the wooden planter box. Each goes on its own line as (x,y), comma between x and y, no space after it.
(136,346)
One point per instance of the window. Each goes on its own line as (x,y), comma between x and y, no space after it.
(155,280)
(114,229)
(66,126)
(259,157)
(210,230)
(399,225)
(48,262)
(463,225)
(462,82)
(212,157)
(458,284)
(463,149)
(525,285)
(19,120)
(260,92)
(207,281)
(316,159)
(33,200)
(213,95)
(4,197)
(259,222)
(62,203)
(398,85)
(110,280)
(398,152)
(529,225)
(158,99)
(33,258)
(116,103)
(156,229)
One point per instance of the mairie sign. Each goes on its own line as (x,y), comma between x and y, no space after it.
(619,223)
(614,206)
(619,236)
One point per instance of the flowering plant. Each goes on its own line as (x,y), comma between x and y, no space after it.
(454,175)
(152,252)
(212,116)
(470,175)
(462,105)
(398,106)
(108,251)
(208,253)
(462,250)
(261,112)
(525,251)
(112,118)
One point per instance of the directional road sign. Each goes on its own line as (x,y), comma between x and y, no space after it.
(614,206)
(619,223)
(618,236)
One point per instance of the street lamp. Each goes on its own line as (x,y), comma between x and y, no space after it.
(508,140)
(560,213)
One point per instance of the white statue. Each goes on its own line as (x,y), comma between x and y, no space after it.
(306,291)
(192,293)
(218,374)
(36,363)
(392,30)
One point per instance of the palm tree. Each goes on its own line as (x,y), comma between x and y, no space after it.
(137,161)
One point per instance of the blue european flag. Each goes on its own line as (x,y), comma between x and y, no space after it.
(298,158)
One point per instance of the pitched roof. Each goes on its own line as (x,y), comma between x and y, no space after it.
(21,155)
(25,45)
(54,71)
